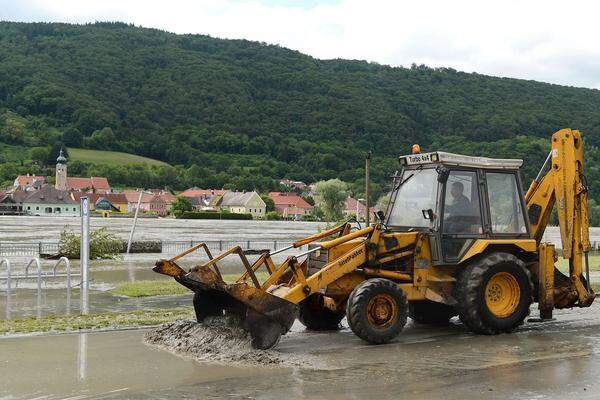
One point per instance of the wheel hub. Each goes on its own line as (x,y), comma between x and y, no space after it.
(502,294)
(382,310)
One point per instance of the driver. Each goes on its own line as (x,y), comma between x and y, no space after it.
(461,206)
(457,212)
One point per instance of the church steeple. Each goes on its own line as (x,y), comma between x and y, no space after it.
(61,172)
(61,158)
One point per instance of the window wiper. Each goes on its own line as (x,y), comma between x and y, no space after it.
(407,178)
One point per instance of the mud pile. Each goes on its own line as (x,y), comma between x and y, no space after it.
(219,340)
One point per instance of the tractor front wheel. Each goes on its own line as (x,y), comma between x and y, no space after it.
(494,294)
(377,310)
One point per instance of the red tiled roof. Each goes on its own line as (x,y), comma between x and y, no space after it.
(24,180)
(114,198)
(195,192)
(94,182)
(289,200)
(167,197)
(133,196)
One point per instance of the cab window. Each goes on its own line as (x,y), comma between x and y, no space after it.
(417,192)
(461,204)
(462,214)
(506,211)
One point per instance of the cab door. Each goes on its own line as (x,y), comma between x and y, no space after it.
(461,222)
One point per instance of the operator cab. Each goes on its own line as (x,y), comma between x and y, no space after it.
(457,199)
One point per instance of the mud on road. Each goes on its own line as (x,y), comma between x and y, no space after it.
(221,340)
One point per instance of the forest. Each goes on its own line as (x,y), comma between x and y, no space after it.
(243,115)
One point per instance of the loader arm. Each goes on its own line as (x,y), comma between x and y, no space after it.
(561,182)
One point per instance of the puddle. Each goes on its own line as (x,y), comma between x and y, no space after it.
(221,340)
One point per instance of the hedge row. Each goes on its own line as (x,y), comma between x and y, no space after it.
(213,215)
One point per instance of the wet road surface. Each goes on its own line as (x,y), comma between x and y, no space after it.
(557,359)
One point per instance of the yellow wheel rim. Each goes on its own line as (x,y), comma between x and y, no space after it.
(502,294)
(382,310)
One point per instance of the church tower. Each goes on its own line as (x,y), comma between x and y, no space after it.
(61,172)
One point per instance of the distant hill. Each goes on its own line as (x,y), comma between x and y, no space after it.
(110,157)
(246,113)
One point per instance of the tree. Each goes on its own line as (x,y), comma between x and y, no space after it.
(180,205)
(272,216)
(333,195)
(269,202)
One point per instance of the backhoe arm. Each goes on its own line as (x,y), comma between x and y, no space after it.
(561,182)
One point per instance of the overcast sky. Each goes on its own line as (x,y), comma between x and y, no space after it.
(551,41)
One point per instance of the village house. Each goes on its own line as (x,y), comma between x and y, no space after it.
(50,201)
(293,185)
(205,203)
(94,184)
(356,207)
(290,205)
(11,201)
(197,192)
(156,201)
(29,182)
(114,202)
(244,203)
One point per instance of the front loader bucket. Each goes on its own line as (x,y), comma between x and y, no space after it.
(264,315)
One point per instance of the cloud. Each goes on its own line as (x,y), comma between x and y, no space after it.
(552,41)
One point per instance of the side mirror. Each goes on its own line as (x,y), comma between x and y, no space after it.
(428,214)
(443,173)
(380,216)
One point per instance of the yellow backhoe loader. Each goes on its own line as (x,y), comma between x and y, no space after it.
(458,237)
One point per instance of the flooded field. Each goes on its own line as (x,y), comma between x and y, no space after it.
(556,359)
(29,229)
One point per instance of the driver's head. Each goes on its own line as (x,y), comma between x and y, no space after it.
(457,189)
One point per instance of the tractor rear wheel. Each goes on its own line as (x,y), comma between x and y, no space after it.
(494,294)
(431,313)
(377,310)
(316,317)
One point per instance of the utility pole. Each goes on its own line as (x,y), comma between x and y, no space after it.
(137,209)
(367,178)
(84,254)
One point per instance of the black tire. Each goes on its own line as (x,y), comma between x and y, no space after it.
(470,293)
(204,307)
(359,311)
(316,317)
(430,313)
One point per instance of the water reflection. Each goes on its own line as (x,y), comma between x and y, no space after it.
(82,357)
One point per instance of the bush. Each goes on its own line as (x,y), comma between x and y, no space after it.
(272,216)
(103,245)
(308,217)
(214,215)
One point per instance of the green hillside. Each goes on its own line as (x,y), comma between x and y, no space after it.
(246,114)
(110,157)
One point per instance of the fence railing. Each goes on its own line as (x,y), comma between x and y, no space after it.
(39,275)
(167,246)
(172,247)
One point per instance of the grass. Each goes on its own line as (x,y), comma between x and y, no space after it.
(563,265)
(149,288)
(64,323)
(165,287)
(110,157)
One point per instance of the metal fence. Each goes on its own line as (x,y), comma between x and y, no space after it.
(27,248)
(172,247)
(168,247)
